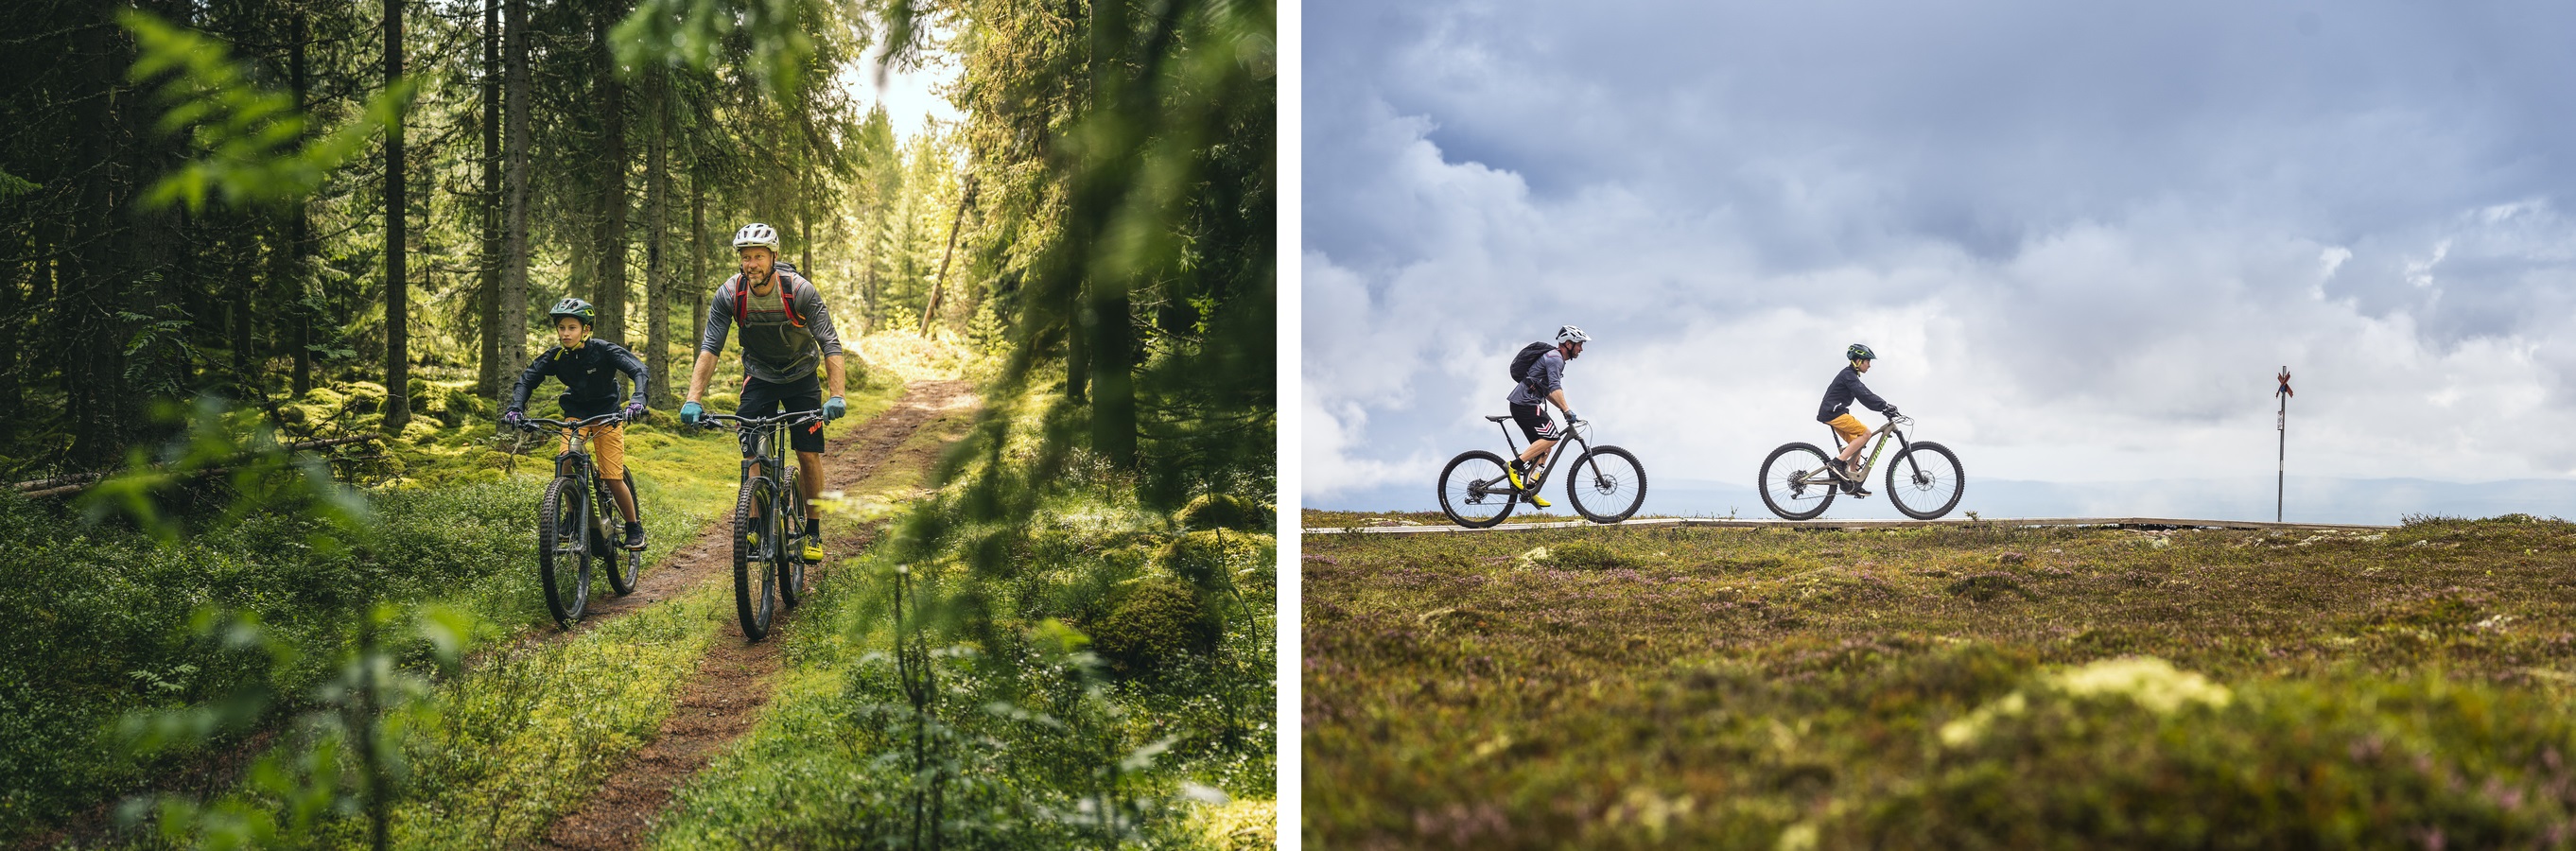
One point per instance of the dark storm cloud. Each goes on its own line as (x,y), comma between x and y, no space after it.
(2085,206)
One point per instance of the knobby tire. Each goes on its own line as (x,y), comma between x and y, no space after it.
(1606,472)
(563,565)
(1798,460)
(1455,490)
(1941,470)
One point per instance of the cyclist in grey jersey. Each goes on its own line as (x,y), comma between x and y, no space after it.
(1545,382)
(787,334)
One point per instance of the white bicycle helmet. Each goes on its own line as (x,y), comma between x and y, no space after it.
(756,234)
(1571,334)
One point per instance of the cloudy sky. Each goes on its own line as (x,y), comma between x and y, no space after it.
(2081,237)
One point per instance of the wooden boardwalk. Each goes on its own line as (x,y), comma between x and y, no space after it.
(1853,525)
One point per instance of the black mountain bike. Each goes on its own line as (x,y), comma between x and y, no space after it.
(1924,480)
(1606,483)
(768,519)
(577,524)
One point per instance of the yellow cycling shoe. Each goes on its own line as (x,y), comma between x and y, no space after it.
(813,549)
(1535,499)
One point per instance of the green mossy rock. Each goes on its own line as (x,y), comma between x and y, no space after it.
(1157,620)
(1585,555)
(1226,511)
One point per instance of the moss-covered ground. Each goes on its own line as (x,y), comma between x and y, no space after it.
(529,726)
(1942,688)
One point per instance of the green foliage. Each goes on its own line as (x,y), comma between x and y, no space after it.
(257,151)
(1016,665)
(781,36)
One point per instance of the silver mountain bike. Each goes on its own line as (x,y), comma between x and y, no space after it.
(1924,479)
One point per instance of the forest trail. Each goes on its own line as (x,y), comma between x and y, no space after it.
(733,681)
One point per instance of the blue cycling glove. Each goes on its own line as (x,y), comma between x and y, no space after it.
(690,412)
(834,407)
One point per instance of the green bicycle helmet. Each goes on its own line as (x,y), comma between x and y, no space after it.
(1859,352)
(575,308)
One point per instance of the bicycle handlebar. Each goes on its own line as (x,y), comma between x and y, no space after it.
(791,418)
(535,424)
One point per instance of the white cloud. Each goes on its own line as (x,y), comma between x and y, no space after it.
(2100,298)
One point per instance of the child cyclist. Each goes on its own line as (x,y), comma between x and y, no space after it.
(588,369)
(1836,412)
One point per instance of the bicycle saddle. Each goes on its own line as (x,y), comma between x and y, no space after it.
(1493,419)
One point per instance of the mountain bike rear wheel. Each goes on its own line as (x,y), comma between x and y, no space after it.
(755,541)
(1607,484)
(1925,481)
(625,565)
(1475,490)
(1787,484)
(563,549)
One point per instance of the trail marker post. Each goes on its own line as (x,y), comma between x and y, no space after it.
(2281,423)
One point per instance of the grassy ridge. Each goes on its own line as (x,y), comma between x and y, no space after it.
(1976,687)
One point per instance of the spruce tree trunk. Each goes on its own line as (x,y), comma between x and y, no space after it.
(699,286)
(397,277)
(487,300)
(299,317)
(1113,393)
(657,283)
(611,248)
(512,324)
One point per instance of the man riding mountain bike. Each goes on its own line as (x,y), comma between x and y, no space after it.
(1836,412)
(1543,380)
(787,338)
(589,369)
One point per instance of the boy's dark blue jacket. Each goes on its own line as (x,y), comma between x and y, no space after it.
(1839,396)
(589,376)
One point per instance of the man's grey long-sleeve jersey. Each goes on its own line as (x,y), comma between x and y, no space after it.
(779,346)
(1546,375)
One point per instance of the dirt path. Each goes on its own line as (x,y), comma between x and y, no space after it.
(720,701)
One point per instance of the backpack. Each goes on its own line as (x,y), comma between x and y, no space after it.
(1528,357)
(786,298)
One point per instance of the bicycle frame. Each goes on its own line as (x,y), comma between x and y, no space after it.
(1884,433)
(764,448)
(1574,433)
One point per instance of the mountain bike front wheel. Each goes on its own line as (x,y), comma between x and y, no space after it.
(563,549)
(1476,490)
(755,541)
(1795,483)
(1925,481)
(624,565)
(791,553)
(1606,484)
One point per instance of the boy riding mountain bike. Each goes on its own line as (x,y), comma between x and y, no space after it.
(1836,412)
(1539,371)
(589,368)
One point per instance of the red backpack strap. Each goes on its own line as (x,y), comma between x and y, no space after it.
(742,301)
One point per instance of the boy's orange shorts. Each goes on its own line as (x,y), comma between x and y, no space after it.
(607,449)
(1849,427)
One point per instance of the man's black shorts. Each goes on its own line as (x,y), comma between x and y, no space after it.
(762,399)
(1534,422)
